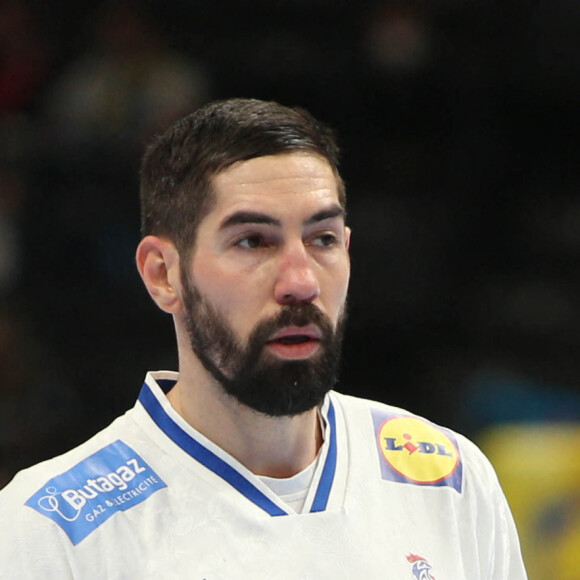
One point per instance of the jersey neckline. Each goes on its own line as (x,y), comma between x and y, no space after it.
(152,398)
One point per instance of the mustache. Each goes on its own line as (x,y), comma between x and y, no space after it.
(300,314)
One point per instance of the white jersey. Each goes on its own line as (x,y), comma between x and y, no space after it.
(393,496)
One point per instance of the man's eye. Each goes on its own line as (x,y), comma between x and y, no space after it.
(324,240)
(251,242)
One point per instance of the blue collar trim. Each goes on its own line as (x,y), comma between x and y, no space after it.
(226,471)
(325,485)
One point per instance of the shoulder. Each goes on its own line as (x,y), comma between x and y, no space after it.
(29,480)
(34,501)
(379,413)
(355,404)
(400,435)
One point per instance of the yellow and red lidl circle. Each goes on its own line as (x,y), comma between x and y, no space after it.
(418,451)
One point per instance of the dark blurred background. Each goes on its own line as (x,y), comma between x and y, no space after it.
(459,128)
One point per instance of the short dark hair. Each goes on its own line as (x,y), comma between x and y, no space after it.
(178,166)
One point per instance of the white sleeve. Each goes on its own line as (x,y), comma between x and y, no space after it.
(31,546)
(497,547)
(507,562)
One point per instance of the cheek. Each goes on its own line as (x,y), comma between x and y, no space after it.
(211,282)
(220,290)
(233,293)
(336,286)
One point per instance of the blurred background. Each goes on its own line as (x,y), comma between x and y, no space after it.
(459,128)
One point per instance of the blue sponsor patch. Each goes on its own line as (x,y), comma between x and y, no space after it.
(84,497)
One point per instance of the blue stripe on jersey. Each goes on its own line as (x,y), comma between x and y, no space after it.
(323,491)
(204,455)
(226,471)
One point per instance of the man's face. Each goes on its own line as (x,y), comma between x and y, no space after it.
(265,289)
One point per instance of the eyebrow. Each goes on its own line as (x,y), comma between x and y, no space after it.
(254,217)
(332,212)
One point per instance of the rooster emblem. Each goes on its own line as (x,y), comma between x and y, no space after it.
(420,567)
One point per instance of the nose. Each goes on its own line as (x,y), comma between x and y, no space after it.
(296,279)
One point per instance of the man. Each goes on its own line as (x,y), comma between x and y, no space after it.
(246,464)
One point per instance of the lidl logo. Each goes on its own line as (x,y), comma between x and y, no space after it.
(413,450)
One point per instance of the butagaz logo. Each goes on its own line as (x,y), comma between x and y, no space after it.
(412,450)
(81,499)
(420,567)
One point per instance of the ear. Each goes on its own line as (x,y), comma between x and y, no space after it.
(347,232)
(158,264)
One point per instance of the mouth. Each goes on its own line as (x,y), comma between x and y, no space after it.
(302,333)
(294,339)
(295,342)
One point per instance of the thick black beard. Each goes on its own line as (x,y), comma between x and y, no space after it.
(250,374)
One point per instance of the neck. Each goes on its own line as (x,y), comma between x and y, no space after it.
(270,446)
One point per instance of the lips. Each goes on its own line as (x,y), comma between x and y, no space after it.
(297,334)
(295,342)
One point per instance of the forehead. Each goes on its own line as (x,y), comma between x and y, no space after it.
(290,180)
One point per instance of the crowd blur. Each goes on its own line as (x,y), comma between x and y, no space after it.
(458,123)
